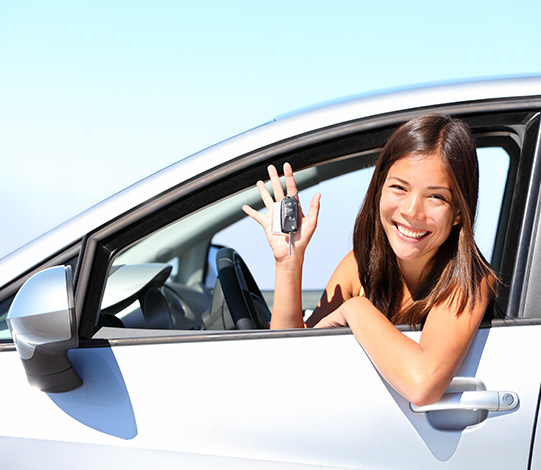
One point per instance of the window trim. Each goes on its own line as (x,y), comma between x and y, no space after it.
(302,151)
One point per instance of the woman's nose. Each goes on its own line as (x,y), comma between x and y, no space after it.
(412,207)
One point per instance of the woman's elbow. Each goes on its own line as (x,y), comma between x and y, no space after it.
(423,399)
(422,392)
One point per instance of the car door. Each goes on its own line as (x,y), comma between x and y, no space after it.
(317,399)
(292,398)
(289,397)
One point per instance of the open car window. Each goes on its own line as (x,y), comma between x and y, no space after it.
(172,272)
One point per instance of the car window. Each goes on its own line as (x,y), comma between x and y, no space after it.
(182,255)
(4,308)
(493,171)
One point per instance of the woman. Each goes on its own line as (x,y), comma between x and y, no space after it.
(414,259)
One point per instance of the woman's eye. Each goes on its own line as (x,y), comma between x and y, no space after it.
(439,197)
(397,187)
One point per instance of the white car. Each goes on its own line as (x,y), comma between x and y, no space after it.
(132,337)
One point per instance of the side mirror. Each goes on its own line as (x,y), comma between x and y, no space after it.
(43,327)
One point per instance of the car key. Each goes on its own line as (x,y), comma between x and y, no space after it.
(289,217)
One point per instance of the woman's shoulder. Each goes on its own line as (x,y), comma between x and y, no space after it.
(348,274)
(343,285)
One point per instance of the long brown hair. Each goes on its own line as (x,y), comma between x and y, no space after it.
(458,268)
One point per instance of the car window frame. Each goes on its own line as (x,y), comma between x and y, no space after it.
(302,151)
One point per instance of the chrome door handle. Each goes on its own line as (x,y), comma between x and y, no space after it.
(472,400)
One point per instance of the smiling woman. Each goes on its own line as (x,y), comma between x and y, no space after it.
(414,258)
(434,157)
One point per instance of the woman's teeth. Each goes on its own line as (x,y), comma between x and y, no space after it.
(409,233)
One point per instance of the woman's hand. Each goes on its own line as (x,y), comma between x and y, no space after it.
(280,242)
(340,316)
(333,320)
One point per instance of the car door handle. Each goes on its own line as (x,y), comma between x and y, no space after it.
(472,400)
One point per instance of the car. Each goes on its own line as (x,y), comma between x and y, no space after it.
(136,334)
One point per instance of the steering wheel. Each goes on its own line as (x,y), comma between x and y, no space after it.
(244,299)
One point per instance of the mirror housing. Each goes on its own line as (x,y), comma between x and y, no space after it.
(43,327)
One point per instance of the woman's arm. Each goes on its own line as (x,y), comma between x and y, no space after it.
(287,304)
(421,372)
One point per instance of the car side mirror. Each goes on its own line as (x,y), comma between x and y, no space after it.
(43,327)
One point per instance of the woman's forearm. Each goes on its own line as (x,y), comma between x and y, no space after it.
(419,371)
(287,304)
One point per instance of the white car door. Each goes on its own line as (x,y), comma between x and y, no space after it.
(310,398)
(317,399)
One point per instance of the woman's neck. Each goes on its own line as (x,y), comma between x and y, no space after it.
(412,273)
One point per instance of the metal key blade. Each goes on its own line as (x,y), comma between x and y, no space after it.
(289,236)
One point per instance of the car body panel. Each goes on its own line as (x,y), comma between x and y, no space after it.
(54,455)
(314,400)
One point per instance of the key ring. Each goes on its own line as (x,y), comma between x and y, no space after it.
(293,194)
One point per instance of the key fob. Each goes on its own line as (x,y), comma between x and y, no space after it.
(289,215)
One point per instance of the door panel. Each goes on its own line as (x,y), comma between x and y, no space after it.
(302,399)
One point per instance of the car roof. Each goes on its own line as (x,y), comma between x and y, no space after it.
(283,127)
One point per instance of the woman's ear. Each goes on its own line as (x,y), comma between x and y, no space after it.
(457,218)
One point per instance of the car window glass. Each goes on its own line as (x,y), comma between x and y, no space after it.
(4,308)
(493,169)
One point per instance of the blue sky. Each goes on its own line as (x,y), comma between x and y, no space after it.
(96,95)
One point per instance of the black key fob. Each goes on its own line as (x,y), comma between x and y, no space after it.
(289,215)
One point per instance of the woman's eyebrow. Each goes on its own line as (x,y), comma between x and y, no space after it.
(397,178)
(440,188)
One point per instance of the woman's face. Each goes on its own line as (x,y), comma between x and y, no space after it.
(416,208)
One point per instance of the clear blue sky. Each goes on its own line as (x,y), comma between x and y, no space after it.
(96,95)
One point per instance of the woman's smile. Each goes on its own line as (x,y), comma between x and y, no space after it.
(410,234)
